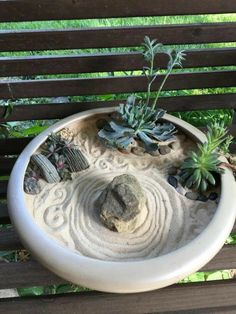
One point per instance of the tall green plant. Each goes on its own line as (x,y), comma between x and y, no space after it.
(140,121)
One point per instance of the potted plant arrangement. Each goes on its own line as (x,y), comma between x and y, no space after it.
(130,199)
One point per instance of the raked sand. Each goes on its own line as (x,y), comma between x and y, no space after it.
(68,214)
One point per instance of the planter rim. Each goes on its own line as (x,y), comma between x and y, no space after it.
(114,276)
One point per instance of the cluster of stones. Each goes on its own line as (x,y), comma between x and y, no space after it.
(173,179)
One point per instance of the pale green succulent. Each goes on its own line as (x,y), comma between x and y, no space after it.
(199,169)
(140,121)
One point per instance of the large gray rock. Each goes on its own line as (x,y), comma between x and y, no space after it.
(121,203)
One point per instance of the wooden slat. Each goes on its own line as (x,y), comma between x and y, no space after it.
(6,165)
(4,217)
(108,62)
(112,85)
(62,110)
(115,37)
(9,240)
(27,10)
(31,273)
(13,146)
(3,189)
(191,297)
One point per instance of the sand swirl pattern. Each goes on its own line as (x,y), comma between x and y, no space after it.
(67,211)
(74,222)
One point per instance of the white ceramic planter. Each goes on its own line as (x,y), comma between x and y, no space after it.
(120,277)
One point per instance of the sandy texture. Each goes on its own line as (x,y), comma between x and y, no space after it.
(67,211)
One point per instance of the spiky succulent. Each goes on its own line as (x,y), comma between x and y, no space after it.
(140,121)
(199,169)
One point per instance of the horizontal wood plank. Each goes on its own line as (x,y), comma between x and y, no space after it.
(27,10)
(116,36)
(6,165)
(33,65)
(13,146)
(3,189)
(113,85)
(31,273)
(62,110)
(176,298)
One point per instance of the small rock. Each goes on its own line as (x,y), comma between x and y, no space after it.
(164,149)
(124,151)
(139,151)
(202,198)
(32,186)
(154,153)
(121,203)
(172,171)
(100,123)
(192,196)
(213,196)
(181,190)
(173,181)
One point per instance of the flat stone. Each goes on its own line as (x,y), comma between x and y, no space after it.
(213,196)
(172,171)
(138,151)
(164,149)
(154,153)
(121,203)
(172,181)
(202,198)
(192,196)
(181,190)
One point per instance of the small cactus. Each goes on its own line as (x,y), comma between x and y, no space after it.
(47,169)
(75,159)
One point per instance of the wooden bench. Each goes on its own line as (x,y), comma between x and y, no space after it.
(203,297)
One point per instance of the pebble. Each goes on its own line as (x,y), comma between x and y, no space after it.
(172,171)
(213,196)
(202,198)
(181,190)
(154,153)
(192,196)
(124,151)
(139,151)
(164,149)
(173,181)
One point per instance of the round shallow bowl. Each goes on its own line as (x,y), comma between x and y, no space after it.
(128,276)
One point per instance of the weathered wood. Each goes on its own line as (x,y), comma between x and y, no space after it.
(6,165)
(27,10)
(113,85)
(13,146)
(62,110)
(9,240)
(3,189)
(176,298)
(32,65)
(31,273)
(115,37)
(4,218)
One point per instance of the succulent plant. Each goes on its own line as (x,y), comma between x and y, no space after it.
(31,180)
(63,154)
(199,169)
(137,123)
(140,121)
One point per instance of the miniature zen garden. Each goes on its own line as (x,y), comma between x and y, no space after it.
(127,184)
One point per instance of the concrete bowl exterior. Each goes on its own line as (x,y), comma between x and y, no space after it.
(119,277)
